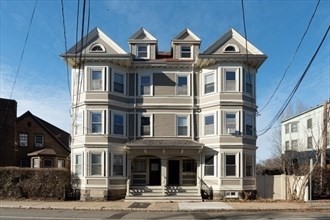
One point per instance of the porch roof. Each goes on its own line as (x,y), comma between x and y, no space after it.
(43,152)
(163,143)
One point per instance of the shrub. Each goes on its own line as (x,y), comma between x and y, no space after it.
(33,183)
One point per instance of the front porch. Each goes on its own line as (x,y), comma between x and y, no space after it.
(163,170)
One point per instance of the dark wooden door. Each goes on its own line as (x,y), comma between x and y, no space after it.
(174,172)
(154,172)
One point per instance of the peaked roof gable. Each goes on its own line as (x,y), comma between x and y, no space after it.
(96,35)
(142,35)
(186,35)
(62,137)
(229,37)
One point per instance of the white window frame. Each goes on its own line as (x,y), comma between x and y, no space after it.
(140,125)
(91,49)
(78,122)
(150,86)
(138,46)
(237,71)
(113,123)
(287,145)
(185,52)
(205,165)
(231,45)
(294,127)
(35,162)
(23,142)
(113,82)
(287,128)
(101,69)
(188,125)
(78,167)
(42,144)
(91,164)
(294,145)
(236,164)
(214,123)
(310,144)
(177,87)
(246,155)
(112,164)
(230,131)
(91,112)
(61,163)
(214,82)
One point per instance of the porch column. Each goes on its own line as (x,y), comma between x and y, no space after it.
(163,174)
(199,177)
(128,183)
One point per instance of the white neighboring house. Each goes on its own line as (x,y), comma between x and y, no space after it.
(303,132)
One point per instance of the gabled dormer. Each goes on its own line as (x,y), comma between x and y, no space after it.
(96,45)
(143,45)
(185,45)
(233,47)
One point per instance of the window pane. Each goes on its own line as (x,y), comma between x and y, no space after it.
(249,165)
(23,140)
(145,125)
(96,80)
(185,52)
(145,85)
(182,88)
(96,164)
(230,81)
(182,123)
(39,140)
(189,166)
(118,127)
(142,51)
(119,83)
(139,165)
(209,165)
(96,122)
(230,165)
(209,125)
(118,166)
(78,164)
(230,123)
(209,83)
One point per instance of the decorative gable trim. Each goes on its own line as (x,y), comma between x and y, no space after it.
(186,36)
(142,36)
(90,38)
(236,36)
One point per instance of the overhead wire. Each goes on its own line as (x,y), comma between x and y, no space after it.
(292,58)
(287,101)
(65,45)
(20,62)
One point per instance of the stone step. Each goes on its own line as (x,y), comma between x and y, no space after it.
(163,198)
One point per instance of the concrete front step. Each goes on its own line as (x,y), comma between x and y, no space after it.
(163,198)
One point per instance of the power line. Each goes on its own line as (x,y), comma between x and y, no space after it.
(65,45)
(20,62)
(293,57)
(287,101)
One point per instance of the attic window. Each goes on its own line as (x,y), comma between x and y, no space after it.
(97,48)
(231,48)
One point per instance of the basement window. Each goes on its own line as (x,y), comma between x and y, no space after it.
(231,194)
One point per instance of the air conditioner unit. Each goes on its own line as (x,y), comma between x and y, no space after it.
(231,131)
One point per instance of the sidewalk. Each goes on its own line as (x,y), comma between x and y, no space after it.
(167,206)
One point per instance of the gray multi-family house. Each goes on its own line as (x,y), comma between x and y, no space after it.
(164,125)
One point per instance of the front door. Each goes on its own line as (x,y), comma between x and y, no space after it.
(173,172)
(154,172)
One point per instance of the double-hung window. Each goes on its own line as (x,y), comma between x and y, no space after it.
(287,145)
(182,85)
(39,140)
(249,124)
(209,83)
(96,164)
(230,165)
(309,142)
(145,85)
(145,129)
(23,139)
(186,52)
(209,165)
(249,82)
(96,80)
(182,125)
(249,165)
(118,165)
(310,123)
(287,128)
(230,83)
(142,51)
(78,123)
(96,122)
(78,164)
(118,83)
(294,127)
(209,124)
(230,123)
(118,124)
(294,145)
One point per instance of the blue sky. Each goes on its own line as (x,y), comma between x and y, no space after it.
(275,27)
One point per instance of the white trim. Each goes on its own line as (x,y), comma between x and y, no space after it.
(215,127)
(231,45)
(124,163)
(89,70)
(150,75)
(90,122)
(114,72)
(177,83)
(139,124)
(210,72)
(95,45)
(224,124)
(113,113)
(143,45)
(91,153)
(187,116)
(238,81)
(186,46)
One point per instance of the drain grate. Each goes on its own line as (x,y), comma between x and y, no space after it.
(141,205)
